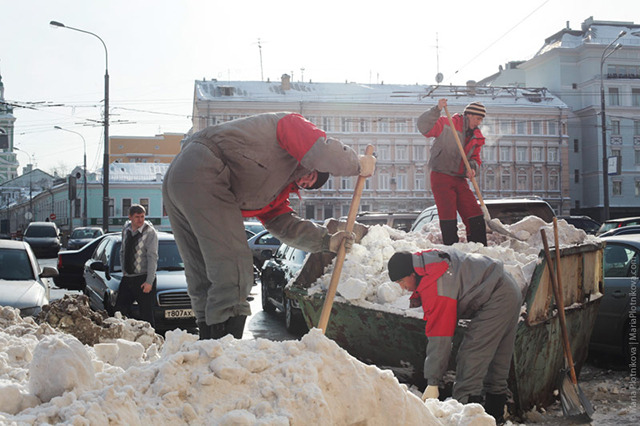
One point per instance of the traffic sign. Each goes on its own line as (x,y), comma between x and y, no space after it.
(52,216)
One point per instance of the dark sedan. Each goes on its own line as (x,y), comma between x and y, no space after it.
(83,235)
(615,329)
(102,274)
(276,273)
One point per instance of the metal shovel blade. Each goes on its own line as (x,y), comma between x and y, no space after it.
(496,225)
(575,404)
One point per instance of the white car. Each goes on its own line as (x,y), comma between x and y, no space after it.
(21,279)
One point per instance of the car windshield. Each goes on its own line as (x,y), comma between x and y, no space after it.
(15,265)
(85,233)
(40,232)
(169,258)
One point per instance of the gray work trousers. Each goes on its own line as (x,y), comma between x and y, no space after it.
(484,356)
(208,227)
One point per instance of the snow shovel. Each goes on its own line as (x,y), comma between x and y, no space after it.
(337,270)
(575,404)
(493,224)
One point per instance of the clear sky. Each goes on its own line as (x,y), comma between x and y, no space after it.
(156,49)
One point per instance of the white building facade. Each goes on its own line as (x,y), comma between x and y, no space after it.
(525,154)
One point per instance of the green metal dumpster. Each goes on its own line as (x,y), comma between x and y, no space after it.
(397,342)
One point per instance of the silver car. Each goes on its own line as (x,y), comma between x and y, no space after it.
(615,329)
(21,279)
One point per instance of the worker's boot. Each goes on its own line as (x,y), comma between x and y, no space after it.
(477,230)
(494,406)
(449,229)
(203,330)
(235,326)
(217,331)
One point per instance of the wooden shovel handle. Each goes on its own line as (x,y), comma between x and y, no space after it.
(464,158)
(337,270)
(556,291)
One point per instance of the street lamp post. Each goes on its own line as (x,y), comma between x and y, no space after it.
(84,186)
(605,162)
(105,162)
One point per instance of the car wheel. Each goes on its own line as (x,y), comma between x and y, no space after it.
(266,305)
(293,321)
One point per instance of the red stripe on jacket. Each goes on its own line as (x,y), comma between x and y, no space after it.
(280,205)
(440,312)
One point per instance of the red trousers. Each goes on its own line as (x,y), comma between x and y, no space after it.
(453,195)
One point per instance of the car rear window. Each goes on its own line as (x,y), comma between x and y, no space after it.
(40,232)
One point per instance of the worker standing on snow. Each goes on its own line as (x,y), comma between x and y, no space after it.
(452,285)
(246,168)
(448,174)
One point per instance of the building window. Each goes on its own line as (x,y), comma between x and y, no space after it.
(383,125)
(636,127)
(490,180)
(576,176)
(401,182)
(615,127)
(536,127)
(329,184)
(637,186)
(344,124)
(537,154)
(553,181)
(522,154)
(77,204)
(552,128)
(552,155)
(383,181)
(144,202)
(576,145)
(383,152)
(126,204)
(401,153)
(489,154)
(364,125)
(419,153)
(401,126)
(522,180)
(506,127)
(637,157)
(505,180)
(521,127)
(345,183)
(537,181)
(505,154)
(616,187)
(418,182)
(614,96)
(635,97)
(328,211)
(112,203)
(327,124)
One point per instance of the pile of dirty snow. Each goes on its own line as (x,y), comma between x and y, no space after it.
(49,377)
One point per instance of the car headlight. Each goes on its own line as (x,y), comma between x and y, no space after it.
(31,311)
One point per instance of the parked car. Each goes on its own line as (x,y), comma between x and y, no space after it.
(397,220)
(44,238)
(81,236)
(585,223)
(612,331)
(71,265)
(508,210)
(276,273)
(263,245)
(624,230)
(610,224)
(21,279)
(103,273)
(252,226)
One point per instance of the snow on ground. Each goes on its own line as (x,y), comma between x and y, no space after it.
(49,377)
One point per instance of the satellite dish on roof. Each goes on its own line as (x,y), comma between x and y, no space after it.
(439,77)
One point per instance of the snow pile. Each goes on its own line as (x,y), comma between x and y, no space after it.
(364,280)
(48,377)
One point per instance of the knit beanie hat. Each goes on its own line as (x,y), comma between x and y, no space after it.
(400,265)
(475,108)
(321,179)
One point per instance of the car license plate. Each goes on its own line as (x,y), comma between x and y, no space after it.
(178,313)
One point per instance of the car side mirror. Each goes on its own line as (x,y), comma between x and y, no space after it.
(267,254)
(48,272)
(98,266)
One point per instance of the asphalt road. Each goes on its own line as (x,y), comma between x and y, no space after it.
(259,325)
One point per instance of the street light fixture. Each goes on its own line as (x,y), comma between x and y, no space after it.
(84,143)
(605,162)
(105,162)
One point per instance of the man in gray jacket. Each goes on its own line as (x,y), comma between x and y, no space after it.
(452,285)
(139,262)
(247,168)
